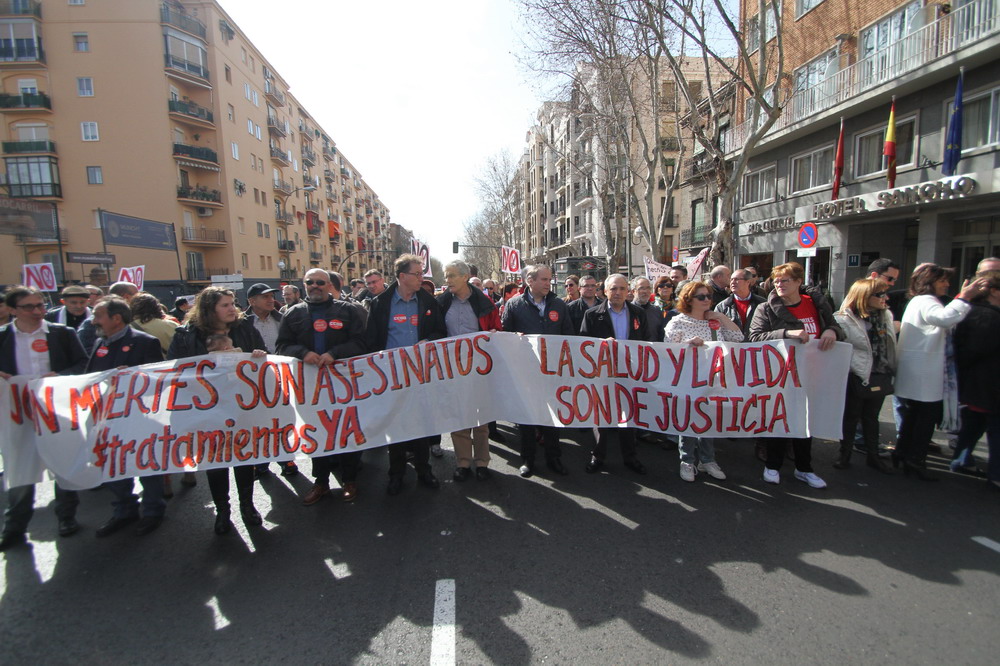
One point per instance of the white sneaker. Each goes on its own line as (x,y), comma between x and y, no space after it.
(687,472)
(713,470)
(771,476)
(810,478)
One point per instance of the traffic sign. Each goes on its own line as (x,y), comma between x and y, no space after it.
(808,235)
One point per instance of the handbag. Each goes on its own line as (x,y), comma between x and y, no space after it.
(879,383)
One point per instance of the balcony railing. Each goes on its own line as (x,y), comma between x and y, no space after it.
(271,91)
(21,8)
(329,175)
(196,152)
(190,109)
(286,245)
(278,155)
(962,27)
(202,274)
(282,185)
(191,234)
(330,194)
(199,193)
(29,147)
(34,189)
(289,273)
(315,256)
(25,101)
(178,63)
(186,23)
(699,235)
(329,153)
(283,217)
(314,207)
(278,126)
(308,156)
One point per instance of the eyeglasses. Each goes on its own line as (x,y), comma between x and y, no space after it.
(31,306)
(782,281)
(702,297)
(887,278)
(880,294)
(318,283)
(417,275)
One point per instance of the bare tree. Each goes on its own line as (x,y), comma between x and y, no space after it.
(493,226)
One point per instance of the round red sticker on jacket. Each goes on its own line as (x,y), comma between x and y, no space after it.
(40,346)
(319,325)
(428,313)
(714,324)
(414,320)
(399,319)
(126,348)
(635,325)
(336,324)
(553,315)
(102,352)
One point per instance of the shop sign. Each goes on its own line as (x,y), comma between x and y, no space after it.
(946,189)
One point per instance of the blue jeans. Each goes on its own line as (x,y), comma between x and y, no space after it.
(21,507)
(974,425)
(127,504)
(694,450)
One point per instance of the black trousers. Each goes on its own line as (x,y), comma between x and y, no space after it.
(421,449)
(866,411)
(776,447)
(529,442)
(625,438)
(218,485)
(322,467)
(917,428)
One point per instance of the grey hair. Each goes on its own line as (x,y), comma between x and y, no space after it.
(635,281)
(607,280)
(531,272)
(460,266)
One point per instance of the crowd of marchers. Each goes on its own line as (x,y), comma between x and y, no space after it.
(937,357)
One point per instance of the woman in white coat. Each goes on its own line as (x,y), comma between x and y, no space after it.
(923,350)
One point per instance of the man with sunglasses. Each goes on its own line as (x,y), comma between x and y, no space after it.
(886,271)
(33,347)
(319,331)
(401,316)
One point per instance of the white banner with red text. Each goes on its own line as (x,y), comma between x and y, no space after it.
(222,410)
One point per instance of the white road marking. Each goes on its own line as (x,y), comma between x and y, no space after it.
(46,554)
(443,633)
(339,571)
(220,620)
(989,543)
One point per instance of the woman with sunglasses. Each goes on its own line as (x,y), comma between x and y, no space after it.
(793,311)
(867,323)
(696,324)
(572,288)
(663,291)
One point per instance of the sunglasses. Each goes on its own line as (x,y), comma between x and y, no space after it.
(881,294)
(702,297)
(318,283)
(887,278)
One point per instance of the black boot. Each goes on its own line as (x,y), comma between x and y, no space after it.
(875,462)
(223,523)
(844,459)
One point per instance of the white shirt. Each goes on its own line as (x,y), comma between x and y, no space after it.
(31,351)
(268,329)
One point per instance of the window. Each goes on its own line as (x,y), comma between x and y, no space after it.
(85,86)
(868,147)
(236,149)
(802,6)
(245,260)
(76,2)
(267,231)
(27,86)
(241,224)
(81,43)
(759,185)
(186,53)
(256,131)
(247,90)
(260,164)
(243,55)
(811,95)
(813,169)
(250,125)
(770,28)
(253,161)
(269,267)
(231,113)
(255,99)
(33,177)
(88,131)
(229,75)
(881,50)
(95,176)
(263,264)
(253,66)
(980,119)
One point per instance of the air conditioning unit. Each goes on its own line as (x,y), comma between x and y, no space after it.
(205,212)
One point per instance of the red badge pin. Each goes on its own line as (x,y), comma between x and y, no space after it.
(126,348)
(635,324)
(427,314)
(414,320)
(40,346)
(336,324)
(714,324)
(102,352)
(399,319)
(319,325)
(553,315)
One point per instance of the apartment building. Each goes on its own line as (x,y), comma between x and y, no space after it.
(157,133)
(848,60)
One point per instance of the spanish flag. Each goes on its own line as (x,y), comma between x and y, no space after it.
(890,146)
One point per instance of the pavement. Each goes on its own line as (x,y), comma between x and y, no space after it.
(610,568)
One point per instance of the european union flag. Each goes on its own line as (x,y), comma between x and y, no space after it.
(953,143)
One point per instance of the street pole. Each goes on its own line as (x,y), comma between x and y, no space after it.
(59,245)
(104,243)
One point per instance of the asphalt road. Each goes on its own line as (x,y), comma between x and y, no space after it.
(585,569)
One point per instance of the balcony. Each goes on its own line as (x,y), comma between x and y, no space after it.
(282,186)
(277,126)
(289,274)
(329,153)
(308,156)
(890,66)
(307,132)
(199,196)
(196,153)
(698,235)
(34,190)
(314,230)
(178,64)
(194,236)
(330,194)
(286,246)
(272,93)
(25,102)
(349,245)
(188,24)
(316,257)
(202,274)
(279,156)
(312,206)
(17,147)
(283,217)
(329,176)
(191,113)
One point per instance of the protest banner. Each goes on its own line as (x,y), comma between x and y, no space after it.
(510,260)
(40,276)
(655,269)
(222,410)
(134,274)
(421,250)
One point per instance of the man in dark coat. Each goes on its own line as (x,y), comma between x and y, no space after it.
(588,299)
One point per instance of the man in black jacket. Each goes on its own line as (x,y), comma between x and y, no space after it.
(588,299)
(319,331)
(401,316)
(31,346)
(538,311)
(119,346)
(74,310)
(615,319)
(742,303)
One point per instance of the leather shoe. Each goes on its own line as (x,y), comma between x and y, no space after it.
(315,494)
(483,474)
(222,521)
(636,466)
(251,517)
(527,471)
(556,466)
(113,525)
(428,479)
(68,527)
(147,524)
(12,539)
(350,492)
(461,474)
(593,466)
(395,485)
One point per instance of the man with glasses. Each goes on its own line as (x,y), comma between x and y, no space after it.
(319,331)
(401,316)
(741,304)
(886,271)
(33,347)
(588,299)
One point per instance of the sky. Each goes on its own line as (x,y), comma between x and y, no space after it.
(417,95)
